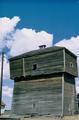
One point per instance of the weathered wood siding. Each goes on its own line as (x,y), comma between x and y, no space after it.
(41,96)
(46,63)
(48,85)
(70,106)
(16,68)
(70,64)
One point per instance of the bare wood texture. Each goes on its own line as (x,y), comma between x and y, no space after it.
(45,82)
(70,106)
(48,61)
(42,96)
(16,68)
(70,64)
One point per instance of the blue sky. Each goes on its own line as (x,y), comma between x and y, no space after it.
(60,18)
(57,17)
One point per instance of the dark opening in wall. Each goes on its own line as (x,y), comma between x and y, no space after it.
(34,67)
(71,64)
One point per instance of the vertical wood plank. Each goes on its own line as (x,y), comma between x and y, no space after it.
(41,96)
(23,66)
(63,94)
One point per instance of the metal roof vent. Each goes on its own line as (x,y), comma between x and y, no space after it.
(42,46)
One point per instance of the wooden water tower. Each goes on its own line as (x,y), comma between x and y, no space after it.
(44,82)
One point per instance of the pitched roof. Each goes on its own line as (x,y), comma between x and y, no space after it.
(41,51)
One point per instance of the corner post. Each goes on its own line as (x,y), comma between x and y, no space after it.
(23,67)
(62,94)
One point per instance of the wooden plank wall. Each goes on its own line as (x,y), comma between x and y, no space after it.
(70,106)
(46,63)
(41,96)
(70,64)
(16,68)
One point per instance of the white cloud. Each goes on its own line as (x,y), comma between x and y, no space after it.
(73,45)
(77,89)
(23,40)
(77,85)
(7,91)
(7,26)
(27,39)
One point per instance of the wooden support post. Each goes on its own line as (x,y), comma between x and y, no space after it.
(1,81)
(62,94)
(23,68)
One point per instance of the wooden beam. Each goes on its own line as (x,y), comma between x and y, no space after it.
(23,67)
(63,94)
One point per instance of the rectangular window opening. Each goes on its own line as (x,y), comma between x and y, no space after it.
(34,67)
